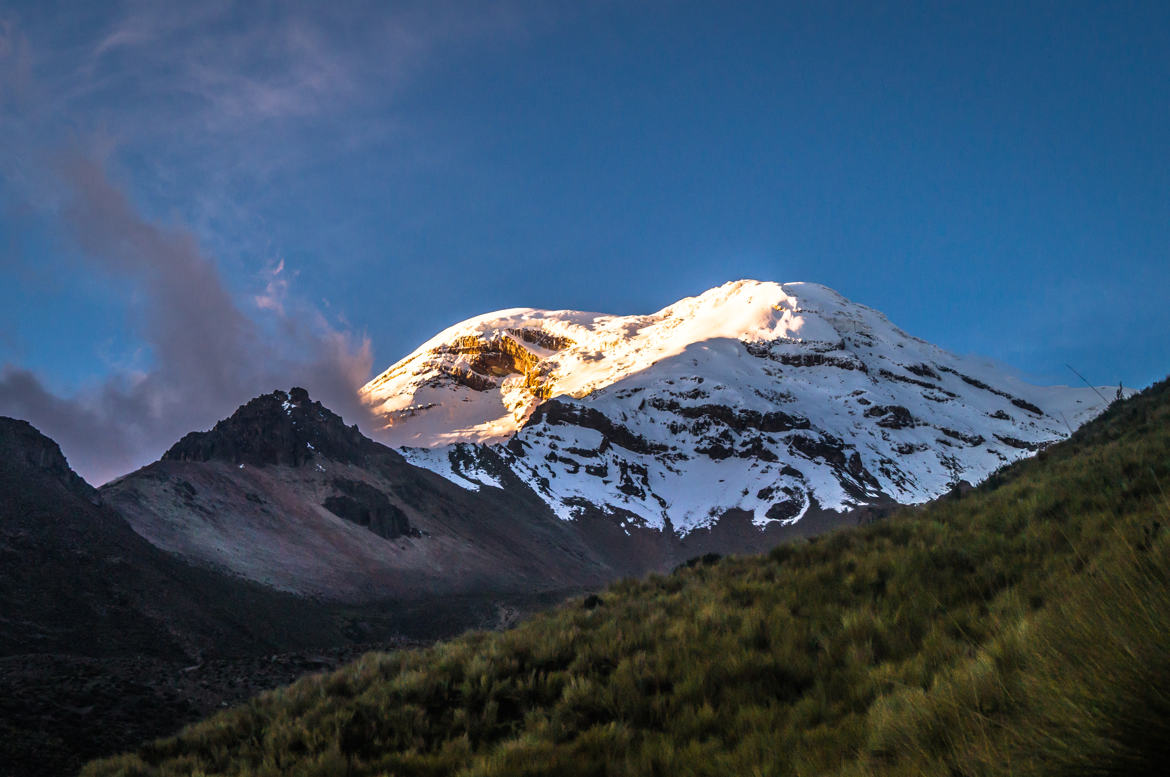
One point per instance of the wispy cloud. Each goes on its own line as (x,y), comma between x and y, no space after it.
(225,68)
(275,289)
(222,67)
(222,98)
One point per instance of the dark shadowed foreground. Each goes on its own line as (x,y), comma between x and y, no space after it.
(1023,628)
(107,641)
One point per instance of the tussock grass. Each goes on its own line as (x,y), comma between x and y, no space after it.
(1023,629)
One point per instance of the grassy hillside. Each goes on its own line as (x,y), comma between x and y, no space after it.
(1021,629)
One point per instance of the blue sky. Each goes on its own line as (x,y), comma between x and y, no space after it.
(202,201)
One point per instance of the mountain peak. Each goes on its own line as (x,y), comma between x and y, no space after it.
(286,428)
(754,396)
(23,446)
(480,380)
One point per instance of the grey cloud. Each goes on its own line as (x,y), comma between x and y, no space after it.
(95,443)
(209,355)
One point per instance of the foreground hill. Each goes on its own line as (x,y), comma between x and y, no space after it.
(1021,629)
(752,402)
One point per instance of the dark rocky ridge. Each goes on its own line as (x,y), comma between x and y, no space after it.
(23,448)
(278,428)
(270,478)
(429,537)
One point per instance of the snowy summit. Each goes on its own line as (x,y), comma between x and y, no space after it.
(759,397)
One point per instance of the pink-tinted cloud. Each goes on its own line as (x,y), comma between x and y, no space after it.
(209,354)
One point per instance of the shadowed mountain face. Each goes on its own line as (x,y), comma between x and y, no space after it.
(106,640)
(76,578)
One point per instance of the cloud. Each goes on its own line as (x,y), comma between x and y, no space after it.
(212,111)
(209,354)
(275,290)
(219,69)
(222,109)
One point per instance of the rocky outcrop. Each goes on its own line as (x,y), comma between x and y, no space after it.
(543,339)
(736,419)
(363,504)
(806,357)
(891,416)
(557,413)
(1023,404)
(281,428)
(480,362)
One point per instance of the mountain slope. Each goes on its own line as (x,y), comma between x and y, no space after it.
(283,493)
(76,578)
(757,398)
(1019,629)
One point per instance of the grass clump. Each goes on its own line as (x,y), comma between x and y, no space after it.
(1023,629)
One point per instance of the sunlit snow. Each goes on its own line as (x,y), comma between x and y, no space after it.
(918,418)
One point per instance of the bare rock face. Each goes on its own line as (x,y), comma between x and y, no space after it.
(285,494)
(278,428)
(359,502)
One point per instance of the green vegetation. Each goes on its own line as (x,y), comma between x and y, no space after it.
(1021,629)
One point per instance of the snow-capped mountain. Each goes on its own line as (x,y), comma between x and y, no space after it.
(759,397)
